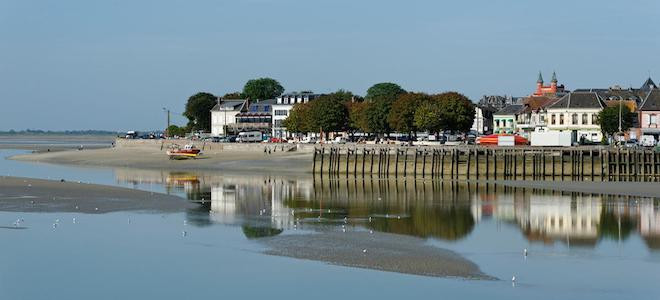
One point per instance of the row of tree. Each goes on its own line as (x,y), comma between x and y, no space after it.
(386,108)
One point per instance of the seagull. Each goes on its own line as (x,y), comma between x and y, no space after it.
(96,208)
(364,250)
(525,252)
(77,207)
(513,279)
(74,220)
(371,231)
(369,219)
(184,233)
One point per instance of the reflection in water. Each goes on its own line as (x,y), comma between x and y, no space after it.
(266,206)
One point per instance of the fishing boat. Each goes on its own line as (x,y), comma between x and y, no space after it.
(188,151)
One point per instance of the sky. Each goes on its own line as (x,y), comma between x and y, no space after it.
(113,65)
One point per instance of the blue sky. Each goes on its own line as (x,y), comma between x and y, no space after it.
(80,64)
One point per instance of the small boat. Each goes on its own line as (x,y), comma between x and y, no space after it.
(188,151)
(494,139)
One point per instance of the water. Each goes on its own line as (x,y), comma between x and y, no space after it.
(579,245)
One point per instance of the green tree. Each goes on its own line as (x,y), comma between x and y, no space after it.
(428,117)
(329,112)
(384,91)
(457,111)
(262,89)
(357,116)
(402,114)
(608,119)
(174,130)
(198,111)
(298,119)
(233,96)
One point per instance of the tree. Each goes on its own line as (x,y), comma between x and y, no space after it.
(329,112)
(386,91)
(233,96)
(174,130)
(428,117)
(608,119)
(357,116)
(298,119)
(198,111)
(457,111)
(262,89)
(402,113)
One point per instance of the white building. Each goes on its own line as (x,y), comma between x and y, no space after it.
(223,115)
(483,119)
(577,113)
(283,106)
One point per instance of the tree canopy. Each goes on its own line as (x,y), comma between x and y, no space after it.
(233,96)
(428,117)
(329,112)
(262,89)
(174,130)
(357,116)
(386,91)
(608,119)
(198,111)
(457,111)
(298,119)
(402,114)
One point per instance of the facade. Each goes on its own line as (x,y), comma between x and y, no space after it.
(255,116)
(281,108)
(504,120)
(483,119)
(533,115)
(498,102)
(577,112)
(649,114)
(223,115)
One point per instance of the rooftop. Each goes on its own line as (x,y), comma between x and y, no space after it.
(579,100)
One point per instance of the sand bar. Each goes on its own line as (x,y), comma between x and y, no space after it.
(36,195)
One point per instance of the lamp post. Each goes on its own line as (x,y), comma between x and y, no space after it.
(168,121)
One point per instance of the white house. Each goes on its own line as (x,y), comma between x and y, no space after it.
(577,113)
(483,119)
(283,106)
(223,115)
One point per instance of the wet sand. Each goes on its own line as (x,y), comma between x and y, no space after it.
(233,160)
(36,195)
(384,252)
(639,189)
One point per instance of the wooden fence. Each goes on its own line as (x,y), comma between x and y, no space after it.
(476,162)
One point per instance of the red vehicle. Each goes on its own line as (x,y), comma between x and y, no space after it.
(277,140)
(493,139)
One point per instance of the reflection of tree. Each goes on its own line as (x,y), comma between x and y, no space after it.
(445,222)
(615,226)
(255,232)
(199,216)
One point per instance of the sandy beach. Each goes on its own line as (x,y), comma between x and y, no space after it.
(36,195)
(237,160)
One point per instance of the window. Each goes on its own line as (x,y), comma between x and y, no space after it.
(654,119)
(497,123)
(584,119)
(254,108)
(542,119)
(574,119)
(561,119)
(281,112)
(594,119)
(278,123)
(266,108)
(554,119)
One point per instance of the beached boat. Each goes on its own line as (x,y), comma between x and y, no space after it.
(188,151)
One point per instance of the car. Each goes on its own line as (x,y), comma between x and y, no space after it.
(631,143)
(277,140)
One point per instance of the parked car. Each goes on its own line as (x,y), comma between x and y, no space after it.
(277,140)
(647,141)
(339,140)
(631,143)
(309,140)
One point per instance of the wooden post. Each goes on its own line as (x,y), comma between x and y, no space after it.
(487,163)
(355,158)
(553,165)
(442,164)
(515,163)
(364,158)
(314,162)
(371,163)
(415,166)
(469,156)
(562,164)
(591,157)
(405,163)
(424,164)
(433,163)
(322,156)
(495,163)
(396,164)
(476,162)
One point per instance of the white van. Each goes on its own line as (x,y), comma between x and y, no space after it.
(249,137)
(647,141)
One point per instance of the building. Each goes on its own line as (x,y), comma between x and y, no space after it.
(504,120)
(223,115)
(552,90)
(649,114)
(255,116)
(577,112)
(483,119)
(283,106)
(533,114)
(498,102)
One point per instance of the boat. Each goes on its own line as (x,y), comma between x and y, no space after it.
(188,151)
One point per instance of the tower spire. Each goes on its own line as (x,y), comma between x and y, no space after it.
(554,77)
(540,80)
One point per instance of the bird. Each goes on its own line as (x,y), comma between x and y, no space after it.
(185,222)
(364,250)
(74,220)
(369,219)
(96,208)
(513,279)
(371,231)
(184,233)
(525,252)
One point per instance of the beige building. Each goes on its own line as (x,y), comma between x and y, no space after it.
(576,112)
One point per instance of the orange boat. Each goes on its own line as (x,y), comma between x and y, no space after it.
(493,139)
(188,151)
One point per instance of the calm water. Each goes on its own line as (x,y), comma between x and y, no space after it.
(580,245)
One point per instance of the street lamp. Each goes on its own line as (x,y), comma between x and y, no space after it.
(168,121)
